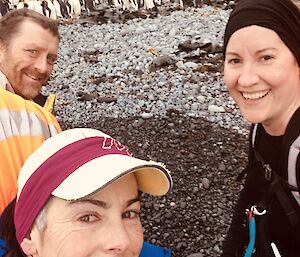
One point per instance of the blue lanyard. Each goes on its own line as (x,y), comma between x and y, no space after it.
(252,234)
(252,229)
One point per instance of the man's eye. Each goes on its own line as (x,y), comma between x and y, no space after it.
(88,218)
(51,60)
(32,51)
(131,214)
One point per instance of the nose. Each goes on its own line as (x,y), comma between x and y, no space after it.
(41,64)
(248,75)
(117,238)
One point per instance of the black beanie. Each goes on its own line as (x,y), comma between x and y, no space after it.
(281,16)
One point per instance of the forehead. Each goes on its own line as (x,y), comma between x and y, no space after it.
(117,194)
(254,35)
(32,32)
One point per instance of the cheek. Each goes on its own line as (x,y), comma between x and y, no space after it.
(77,246)
(137,238)
(230,78)
(50,68)
(281,79)
(135,232)
(47,74)
(286,75)
(63,241)
(2,57)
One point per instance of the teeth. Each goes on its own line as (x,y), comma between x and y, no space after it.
(256,95)
(32,77)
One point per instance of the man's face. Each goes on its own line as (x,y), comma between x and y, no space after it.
(27,59)
(106,223)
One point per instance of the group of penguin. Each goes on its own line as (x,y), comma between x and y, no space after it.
(54,9)
(57,9)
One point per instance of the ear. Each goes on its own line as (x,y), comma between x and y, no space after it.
(30,243)
(28,247)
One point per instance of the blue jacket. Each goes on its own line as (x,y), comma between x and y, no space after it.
(2,248)
(150,250)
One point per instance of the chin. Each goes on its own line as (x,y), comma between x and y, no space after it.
(253,117)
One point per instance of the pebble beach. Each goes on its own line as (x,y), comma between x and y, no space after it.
(156,85)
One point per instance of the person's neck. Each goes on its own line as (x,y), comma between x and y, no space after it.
(278,127)
(273,130)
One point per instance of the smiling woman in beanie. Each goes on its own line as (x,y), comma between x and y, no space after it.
(261,71)
(79,194)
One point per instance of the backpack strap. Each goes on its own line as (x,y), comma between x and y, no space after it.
(291,156)
(276,182)
(288,208)
(277,188)
(251,157)
(256,133)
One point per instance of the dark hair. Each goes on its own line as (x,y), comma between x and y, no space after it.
(10,23)
(8,232)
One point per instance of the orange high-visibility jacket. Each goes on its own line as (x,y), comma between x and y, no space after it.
(24,125)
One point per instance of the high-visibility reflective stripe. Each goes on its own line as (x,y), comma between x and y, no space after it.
(254,134)
(50,103)
(23,124)
(292,167)
(13,153)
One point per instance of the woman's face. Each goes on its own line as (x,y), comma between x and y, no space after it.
(262,76)
(104,224)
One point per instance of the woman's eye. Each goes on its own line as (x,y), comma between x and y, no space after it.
(88,218)
(131,214)
(267,57)
(234,61)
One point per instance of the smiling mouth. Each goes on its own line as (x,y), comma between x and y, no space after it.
(37,78)
(256,95)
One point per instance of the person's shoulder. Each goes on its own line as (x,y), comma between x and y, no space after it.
(2,247)
(46,101)
(17,104)
(150,250)
(14,101)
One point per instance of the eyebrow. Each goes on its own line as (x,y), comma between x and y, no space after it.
(90,201)
(258,52)
(32,45)
(230,53)
(102,204)
(132,201)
